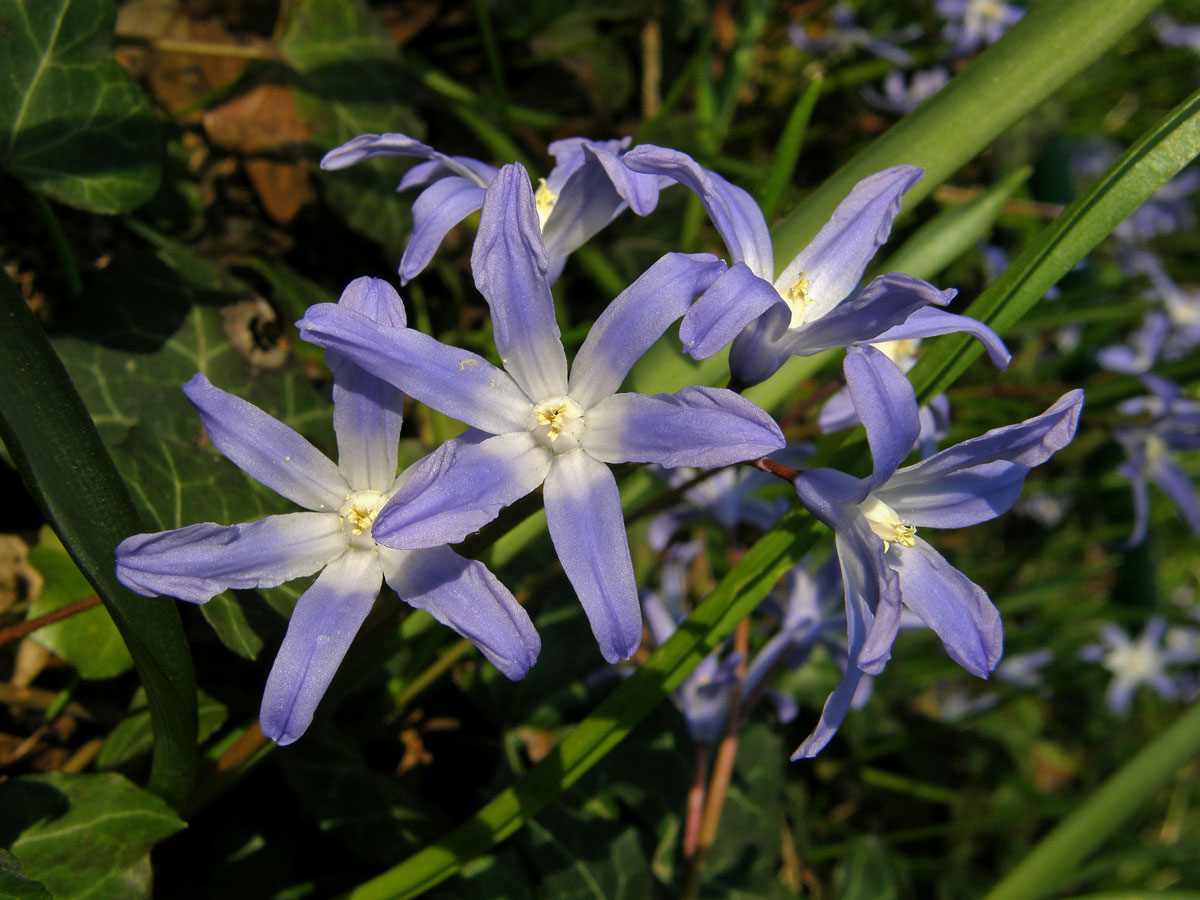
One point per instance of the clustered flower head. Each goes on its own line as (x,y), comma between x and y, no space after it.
(538,420)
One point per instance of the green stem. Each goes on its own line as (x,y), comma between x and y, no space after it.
(62,247)
(1054,859)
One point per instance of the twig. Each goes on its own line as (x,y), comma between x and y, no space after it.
(198,48)
(15,632)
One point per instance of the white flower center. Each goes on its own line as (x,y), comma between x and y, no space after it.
(903,353)
(558,424)
(886,523)
(1156,449)
(798,300)
(1137,662)
(544,201)
(357,515)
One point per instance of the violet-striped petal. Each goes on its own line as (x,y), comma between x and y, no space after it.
(439,208)
(956,608)
(636,319)
(1029,443)
(459,488)
(462,594)
(197,562)
(509,263)
(266,449)
(885,303)
(834,262)
(583,512)
(323,624)
(735,300)
(930,322)
(697,426)
(733,212)
(457,382)
(887,407)
(367,412)
(365,146)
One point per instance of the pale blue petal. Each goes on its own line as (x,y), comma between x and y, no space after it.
(266,449)
(462,594)
(509,263)
(459,383)
(635,320)
(735,300)
(697,426)
(956,608)
(583,513)
(835,261)
(959,498)
(733,212)
(426,173)
(366,146)
(439,208)
(885,403)
(323,625)
(1173,481)
(367,411)
(459,488)
(197,562)
(930,322)
(757,353)
(837,413)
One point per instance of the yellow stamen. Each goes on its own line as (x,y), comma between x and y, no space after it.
(544,200)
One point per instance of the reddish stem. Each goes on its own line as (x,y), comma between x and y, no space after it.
(17,632)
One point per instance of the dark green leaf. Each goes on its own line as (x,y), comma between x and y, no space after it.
(132,737)
(866,873)
(85,836)
(88,640)
(580,858)
(15,884)
(73,123)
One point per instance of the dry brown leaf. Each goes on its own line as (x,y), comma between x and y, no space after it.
(263,119)
(18,580)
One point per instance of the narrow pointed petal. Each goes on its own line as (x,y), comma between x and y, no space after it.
(197,562)
(877,310)
(367,411)
(837,413)
(1140,492)
(426,173)
(733,212)
(959,498)
(439,208)
(735,300)
(459,488)
(583,512)
(462,594)
(1173,481)
(366,146)
(638,190)
(763,346)
(1029,443)
(956,608)
(509,262)
(323,624)
(266,449)
(459,383)
(930,322)
(635,320)
(697,426)
(834,262)
(887,407)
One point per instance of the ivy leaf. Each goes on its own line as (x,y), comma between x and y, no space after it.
(88,640)
(351,82)
(85,835)
(73,123)
(15,884)
(132,737)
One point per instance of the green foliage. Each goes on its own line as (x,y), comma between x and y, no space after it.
(85,836)
(15,884)
(73,123)
(89,640)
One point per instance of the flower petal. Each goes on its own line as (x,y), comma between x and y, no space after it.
(367,411)
(929,322)
(197,562)
(583,512)
(457,382)
(834,262)
(636,319)
(961,497)
(735,300)
(459,488)
(952,605)
(733,212)
(266,449)
(364,146)
(462,594)
(640,191)
(509,262)
(323,624)
(1173,481)
(887,407)
(697,426)
(763,346)
(439,208)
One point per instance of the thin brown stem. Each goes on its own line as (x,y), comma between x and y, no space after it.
(787,473)
(695,800)
(16,632)
(198,48)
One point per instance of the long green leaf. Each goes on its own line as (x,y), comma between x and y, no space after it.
(1053,42)
(1145,167)
(56,447)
